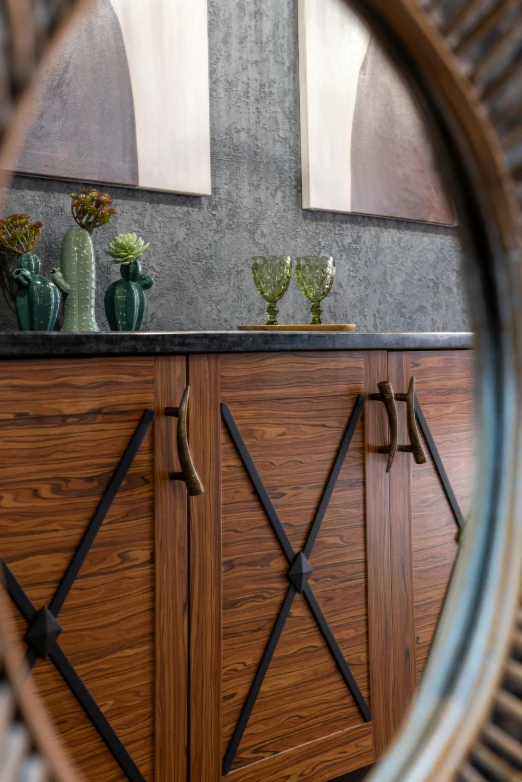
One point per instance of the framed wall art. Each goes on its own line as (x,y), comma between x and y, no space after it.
(364,146)
(127,100)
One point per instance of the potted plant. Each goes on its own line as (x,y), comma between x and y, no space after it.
(76,276)
(37,298)
(125,298)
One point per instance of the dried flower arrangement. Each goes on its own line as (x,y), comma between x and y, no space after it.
(18,235)
(91,209)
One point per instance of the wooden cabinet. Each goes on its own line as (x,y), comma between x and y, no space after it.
(280,703)
(414,515)
(94,538)
(288,416)
(272,629)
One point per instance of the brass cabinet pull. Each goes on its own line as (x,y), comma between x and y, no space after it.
(415,446)
(388,398)
(188,472)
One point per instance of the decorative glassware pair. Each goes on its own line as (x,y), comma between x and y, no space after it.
(272,273)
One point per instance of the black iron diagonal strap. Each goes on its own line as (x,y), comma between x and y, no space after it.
(443,476)
(298,575)
(44,628)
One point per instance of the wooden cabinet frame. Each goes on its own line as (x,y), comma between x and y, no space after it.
(391,622)
(370,545)
(84,414)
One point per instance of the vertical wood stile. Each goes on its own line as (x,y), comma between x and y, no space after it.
(171,559)
(378,547)
(205,571)
(402,650)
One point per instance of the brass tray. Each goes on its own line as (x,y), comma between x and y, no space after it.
(300,327)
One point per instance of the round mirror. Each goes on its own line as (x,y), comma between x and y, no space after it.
(272,515)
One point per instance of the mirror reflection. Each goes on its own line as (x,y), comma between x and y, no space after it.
(230,272)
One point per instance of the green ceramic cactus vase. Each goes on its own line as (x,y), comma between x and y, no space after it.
(76,278)
(125,298)
(37,298)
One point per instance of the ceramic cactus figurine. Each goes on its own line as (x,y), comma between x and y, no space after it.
(37,298)
(76,276)
(125,299)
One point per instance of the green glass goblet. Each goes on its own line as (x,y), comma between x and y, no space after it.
(272,274)
(315,275)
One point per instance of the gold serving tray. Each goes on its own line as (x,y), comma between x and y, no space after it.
(300,327)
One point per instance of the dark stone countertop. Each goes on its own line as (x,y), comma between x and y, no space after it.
(17,344)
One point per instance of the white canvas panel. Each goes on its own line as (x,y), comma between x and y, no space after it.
(126,101)
(167,51)
(364,145)
(332,47)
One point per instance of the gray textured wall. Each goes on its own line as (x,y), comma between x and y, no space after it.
(390,275)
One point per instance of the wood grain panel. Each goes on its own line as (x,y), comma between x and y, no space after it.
(317,761)
(444,382)
(75,386)
(205,572)
(171,559)
(402,649)
(54,472)
(292,419)
(21,704)
(445,390)
(380,606)
(59,457)
(83,745)
(108,636)
(292,376)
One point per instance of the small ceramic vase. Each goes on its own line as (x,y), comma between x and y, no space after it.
(37,298)
(76,278)
(125,298)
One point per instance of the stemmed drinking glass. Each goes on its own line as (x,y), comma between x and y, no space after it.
(315,275)
(272,275)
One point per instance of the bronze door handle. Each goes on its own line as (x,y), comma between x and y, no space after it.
(388,398)
(188,472)
(415,446)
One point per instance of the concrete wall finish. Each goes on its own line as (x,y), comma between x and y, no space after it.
(391,276)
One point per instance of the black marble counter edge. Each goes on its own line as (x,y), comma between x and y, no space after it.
(58,344)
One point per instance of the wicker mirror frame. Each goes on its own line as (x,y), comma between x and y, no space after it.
(462,58)
(458,58)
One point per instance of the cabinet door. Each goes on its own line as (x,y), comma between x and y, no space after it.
(279,638)
(93,537)
(428,502)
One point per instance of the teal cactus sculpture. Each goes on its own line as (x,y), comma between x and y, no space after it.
(37,298)
(125,298)
(76,276)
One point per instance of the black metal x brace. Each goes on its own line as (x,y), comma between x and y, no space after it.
(44,629)
(298,575)
(443,476)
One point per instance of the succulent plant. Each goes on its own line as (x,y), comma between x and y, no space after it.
(91,209)
(126,248)
(18,235)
